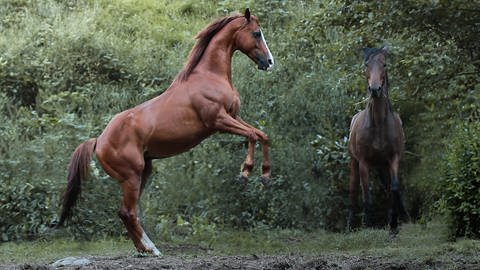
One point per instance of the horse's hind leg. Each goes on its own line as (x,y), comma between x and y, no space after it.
(131,193)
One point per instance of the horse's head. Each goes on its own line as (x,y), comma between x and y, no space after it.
(376,64)
(249,40)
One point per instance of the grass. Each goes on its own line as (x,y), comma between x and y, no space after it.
(415,242)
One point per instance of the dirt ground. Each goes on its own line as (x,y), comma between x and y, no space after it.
(253,262)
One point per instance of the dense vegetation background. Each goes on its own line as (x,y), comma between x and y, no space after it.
(67,67)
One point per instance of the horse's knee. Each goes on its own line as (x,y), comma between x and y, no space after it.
(265,139)
(395,185)
(126,215)
(247,166)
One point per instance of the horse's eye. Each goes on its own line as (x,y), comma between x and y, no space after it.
(384,65)
(257,34)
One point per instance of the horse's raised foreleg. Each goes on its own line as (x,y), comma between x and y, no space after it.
(247,165)
(354,183)
(264,140)
(128,213)
(265,164)
(227,123)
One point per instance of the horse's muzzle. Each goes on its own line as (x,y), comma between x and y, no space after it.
(264,63)
(375,91)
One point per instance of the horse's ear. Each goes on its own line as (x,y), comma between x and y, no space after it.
(385,49)
(247,14)
(366,51)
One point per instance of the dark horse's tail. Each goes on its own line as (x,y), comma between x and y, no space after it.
(78,170)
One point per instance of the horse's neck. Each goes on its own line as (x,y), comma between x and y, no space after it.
(378,110)
(217,58)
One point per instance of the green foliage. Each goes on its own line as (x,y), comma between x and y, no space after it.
(414,243)
(331,170)
(67,67)
(459,189)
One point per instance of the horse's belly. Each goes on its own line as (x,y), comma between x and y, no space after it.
(163,148)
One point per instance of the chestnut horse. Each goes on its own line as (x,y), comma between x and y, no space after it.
(200,102)
(376,141)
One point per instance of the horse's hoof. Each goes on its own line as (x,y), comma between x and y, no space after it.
(352,226)
(156,252)
(393,233)
(142,254)
(147,253)
(265,181)
(242,179)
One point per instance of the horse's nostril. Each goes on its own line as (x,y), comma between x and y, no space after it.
(270,61)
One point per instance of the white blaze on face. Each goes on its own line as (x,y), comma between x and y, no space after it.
(270,57)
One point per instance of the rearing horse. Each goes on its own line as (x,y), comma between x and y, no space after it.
(376,141)
(200,102)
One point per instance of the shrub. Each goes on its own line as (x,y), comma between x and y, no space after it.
(331,172)
(461,184)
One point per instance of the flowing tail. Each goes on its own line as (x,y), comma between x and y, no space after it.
(78,170)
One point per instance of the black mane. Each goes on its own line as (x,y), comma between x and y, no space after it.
(372,51)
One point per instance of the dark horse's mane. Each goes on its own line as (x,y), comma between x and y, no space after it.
(203,39)
(371,52)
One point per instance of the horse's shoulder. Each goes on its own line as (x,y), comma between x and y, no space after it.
(398,118)
(355,118)
(354,124)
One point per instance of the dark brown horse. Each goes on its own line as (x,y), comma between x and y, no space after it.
(200,102)
(376,142)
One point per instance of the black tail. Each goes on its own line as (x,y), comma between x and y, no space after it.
(77,172)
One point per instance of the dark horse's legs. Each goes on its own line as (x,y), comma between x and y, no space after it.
(367,192)
(396,204)
(359,173)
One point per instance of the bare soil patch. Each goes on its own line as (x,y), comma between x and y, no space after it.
(254,262)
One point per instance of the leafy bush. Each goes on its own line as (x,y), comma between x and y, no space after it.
(461,182)
(331,170)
